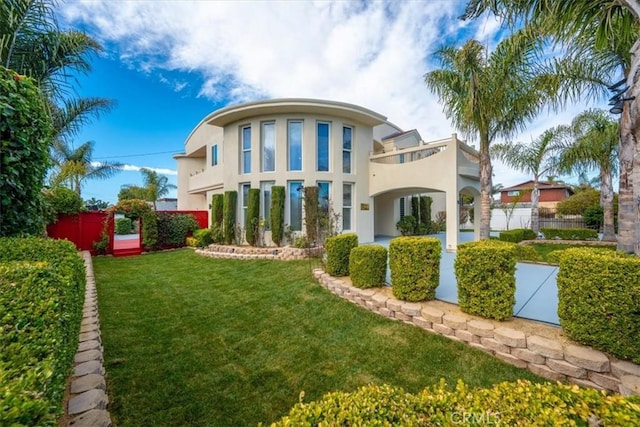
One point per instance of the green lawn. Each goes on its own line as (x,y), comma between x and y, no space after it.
(544,249)
(196,341)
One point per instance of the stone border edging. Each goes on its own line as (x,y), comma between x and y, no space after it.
(249,252)
(545,357)
(87,405)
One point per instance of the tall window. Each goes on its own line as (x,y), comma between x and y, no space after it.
(268,147)
(214,155)
(295,205)
(324,190)
(322,138)
(245,161)
(265,201)
(347,205)
(244,191)
(347,134)
(402,208)
(294,145)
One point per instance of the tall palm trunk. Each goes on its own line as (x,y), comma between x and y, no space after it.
(535,210)
(485,188)
(606,193)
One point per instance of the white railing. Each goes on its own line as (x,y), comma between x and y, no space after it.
(407,155)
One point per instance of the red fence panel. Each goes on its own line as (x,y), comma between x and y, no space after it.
(82,229)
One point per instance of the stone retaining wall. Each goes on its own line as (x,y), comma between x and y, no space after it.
(88,400)
(250,252)
(545,357)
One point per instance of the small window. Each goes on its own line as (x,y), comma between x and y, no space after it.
(322,145)
(245,158)
(347,203)
(402,208)
(513,193)
(214,155)
(244,192)
(347,135)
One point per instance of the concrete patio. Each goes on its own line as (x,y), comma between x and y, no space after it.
(536,290)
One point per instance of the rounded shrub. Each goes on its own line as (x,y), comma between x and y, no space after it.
(415,267)
(338,249)
(368,266)
(485,272)
(61,201)
(526,253)
(599,300)
(123,226)
(203,237)
(507,403)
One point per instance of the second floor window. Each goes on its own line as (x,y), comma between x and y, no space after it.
(268,147)
(214,155)
(294,145)
(347,134)
(245,160)
(322,147)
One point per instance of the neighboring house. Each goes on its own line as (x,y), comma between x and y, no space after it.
(364,166)
(167,204)
(551,193)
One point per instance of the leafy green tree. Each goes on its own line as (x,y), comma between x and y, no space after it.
(490,95)
(603,34)
(94,203)
(537,158)
(74,166)
(157,185)
(133,192)
(577,203)
(592,145)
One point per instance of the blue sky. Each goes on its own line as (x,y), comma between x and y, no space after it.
(169,63)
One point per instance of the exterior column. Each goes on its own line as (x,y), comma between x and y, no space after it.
(453,215)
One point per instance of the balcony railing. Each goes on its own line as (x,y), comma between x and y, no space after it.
(407,155)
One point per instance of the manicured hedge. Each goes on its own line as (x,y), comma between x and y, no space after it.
(506,404)
(276,214)
(229,216)
(217,209)
(203,237)
(415,267)
(123,226)
(517,235)
(526,253)
(311,213)
(42,283)
(338,249)
(485,272)
(173,229)
(569,233)
(599,300)
(368,266)
(252,221)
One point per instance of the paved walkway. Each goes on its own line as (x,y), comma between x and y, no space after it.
(536,290)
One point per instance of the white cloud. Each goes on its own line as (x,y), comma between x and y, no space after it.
(373,54)
(135,168)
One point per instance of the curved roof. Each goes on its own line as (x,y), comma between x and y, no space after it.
(234,113)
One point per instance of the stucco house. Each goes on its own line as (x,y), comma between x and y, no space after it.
(551,193)
(363,165)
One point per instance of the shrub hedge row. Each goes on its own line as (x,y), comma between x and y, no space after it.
(599,300)
(485,272)
(338,249)
(252,219)
(569,233)
(415,267)
(42,283)
(515,403)
(230,203)
(517,235)
(276,214)
(368,266)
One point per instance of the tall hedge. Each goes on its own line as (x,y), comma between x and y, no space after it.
(173,229)
(276,213)
(368,266)
(252,220)
(599,300)
(311,213)
(25,135)
(421,209)
(415,267)
(42,283)
(230,205)
(338,249)
(485,272)
(217,209)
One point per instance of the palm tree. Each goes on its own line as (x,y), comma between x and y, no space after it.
(157,185)
(490,96)
(538,158)
(606,34)
(73,166)
(592,144)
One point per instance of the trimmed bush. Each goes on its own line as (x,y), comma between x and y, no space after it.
(599,300)
(123,225)
(252,220)
(203,237)
(25,135)
(276,213)
(61,201)
(42,283)
(217,209)
(570,233)
(338,250)
(230,206)
(517,235)
(526,253)
(311,213)
(408,225)
(368,266)
(415,267)
(174,228)
(485,272)
(505,404)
